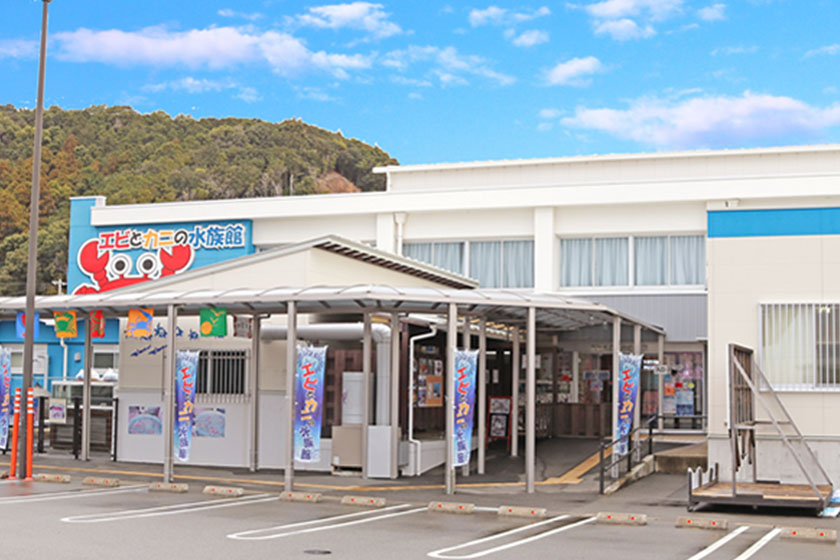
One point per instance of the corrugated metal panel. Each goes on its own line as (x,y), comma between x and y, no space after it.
(683,316)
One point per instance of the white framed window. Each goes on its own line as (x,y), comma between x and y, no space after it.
(663,260)
(222,372)
(106,357)
(495,264)
(446,255)
(800,345)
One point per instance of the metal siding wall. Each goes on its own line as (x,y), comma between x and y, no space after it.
(684,317)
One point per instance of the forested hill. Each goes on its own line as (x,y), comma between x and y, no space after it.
(135,158)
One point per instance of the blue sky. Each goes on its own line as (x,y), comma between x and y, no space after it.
(449,81)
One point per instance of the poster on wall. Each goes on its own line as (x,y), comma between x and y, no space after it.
(498,413)
(630,366)
(186,369)
(242,326)
(465,367)
(209,422)
(57,411)
(434,390)
(142,420)
(685,403)
(5,394)
(310,399)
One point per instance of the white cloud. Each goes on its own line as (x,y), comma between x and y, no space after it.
(623,30)
(15,48)
(574,72)
(551,113)
(710,121)
(248,95)
(630,19)
(715,12)
(447,64)
(228,13)
(314,94)
(191,85)
(656,10)
(363,16)
(828,49)
(493,15)
(403,81)
(530,38)
(735,50)
(214,47)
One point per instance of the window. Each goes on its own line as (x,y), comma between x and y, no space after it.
(221,372)
(800,345)
(677,260)
(448,256)
(502,264)
(598,261)
(106,358)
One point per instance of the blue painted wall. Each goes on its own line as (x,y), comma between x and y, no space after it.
(775,222)
(81,231)
(8,336)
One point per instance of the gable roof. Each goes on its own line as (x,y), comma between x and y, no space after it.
(330,243)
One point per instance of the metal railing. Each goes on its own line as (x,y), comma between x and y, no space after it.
(634,451)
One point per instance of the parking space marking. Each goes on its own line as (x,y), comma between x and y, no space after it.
(168,510)
(759,544)
(368,517)
(69,494)
(441,553)
(719,543)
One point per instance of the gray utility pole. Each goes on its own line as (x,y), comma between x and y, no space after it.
(32,259)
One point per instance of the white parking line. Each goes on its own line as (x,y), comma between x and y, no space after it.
(246,535)
(759,545)
(719,543)
(168,510)
(69,494)
(441,553)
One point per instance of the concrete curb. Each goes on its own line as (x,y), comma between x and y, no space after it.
(223,491)
(611,518)
(701,523)
(451,507)
(313,497)
(809,534)
(62,478)
(363,501)
(518,511)
(100,481)
(169,487)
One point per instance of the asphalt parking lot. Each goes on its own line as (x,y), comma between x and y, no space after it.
(73,521)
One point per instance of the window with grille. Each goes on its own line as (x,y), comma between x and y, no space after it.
(800,345)
(222,372)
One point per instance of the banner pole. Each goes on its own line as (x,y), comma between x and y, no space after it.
(169,396)
(30,416)
(15,426)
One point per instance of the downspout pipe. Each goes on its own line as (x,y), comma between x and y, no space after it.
(412,388)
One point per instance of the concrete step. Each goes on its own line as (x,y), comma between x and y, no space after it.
(680,459)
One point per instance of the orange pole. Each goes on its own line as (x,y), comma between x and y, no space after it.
(15,427)
(30,420)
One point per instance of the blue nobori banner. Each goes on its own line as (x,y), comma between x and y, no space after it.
(465,367)
(186,371)
(630,366)
(309,393)
(5,394)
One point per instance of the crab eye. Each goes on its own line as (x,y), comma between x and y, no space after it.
(119,265)
(148,264)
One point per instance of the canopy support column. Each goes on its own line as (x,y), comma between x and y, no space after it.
(660,388)
(291,400)
(616,375)
(395,394)
(530,403)
(367,347)
(449,400)
(169,394)
(86,391)
(574,393)
(254,390)
(482,393)
(514,393)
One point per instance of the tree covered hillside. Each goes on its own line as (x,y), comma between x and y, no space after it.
(134,158)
